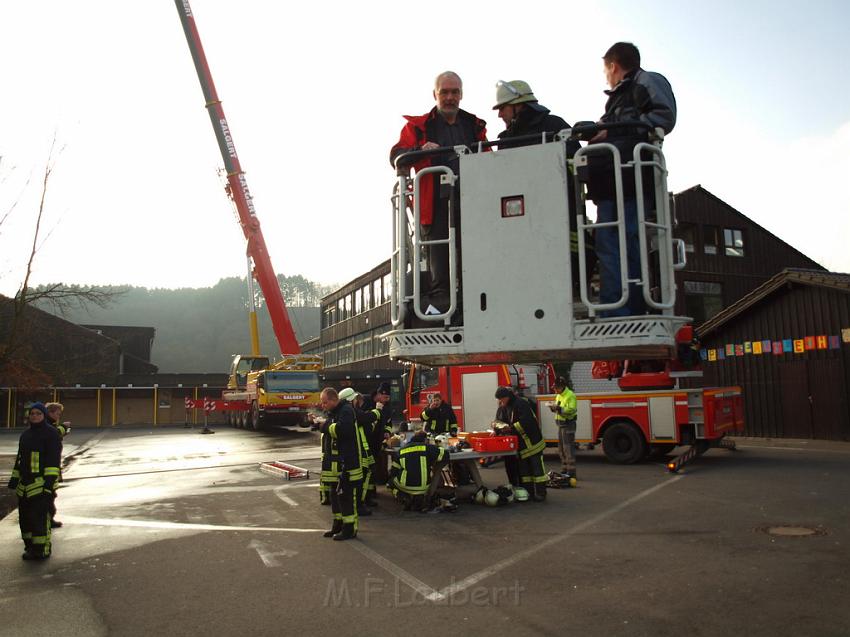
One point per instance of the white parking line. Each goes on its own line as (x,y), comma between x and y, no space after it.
(472,580)
(279,493)
(156,524)
(270,557)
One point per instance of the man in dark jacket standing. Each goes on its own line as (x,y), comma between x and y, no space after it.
(341,470)
(445,125)
(528,469)
(382,429)
(635,95)
(523,115)
(34,479)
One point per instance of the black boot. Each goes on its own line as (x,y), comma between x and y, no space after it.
(55,524)
(336,528)
(362,510)
(539,494)
(347,532)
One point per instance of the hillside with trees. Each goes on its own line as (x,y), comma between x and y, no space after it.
(200,329)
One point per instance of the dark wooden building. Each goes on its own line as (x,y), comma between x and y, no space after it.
(728,254)
(787,343)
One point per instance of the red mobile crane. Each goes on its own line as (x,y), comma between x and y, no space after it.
(256,390)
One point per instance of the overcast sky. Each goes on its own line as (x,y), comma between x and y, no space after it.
(314,94)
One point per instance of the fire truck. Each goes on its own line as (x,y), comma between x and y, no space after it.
(501,313)
(646,417)
(258,392)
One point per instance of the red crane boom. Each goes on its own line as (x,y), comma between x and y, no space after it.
(238,190)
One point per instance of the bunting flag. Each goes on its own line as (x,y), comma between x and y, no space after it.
(784,346)
(822,342)
(777,347)
(730,349)
(765,345)
(809,342)
(756,347)
(748,347)
(787,345)
(833,342)
(721,354)
(703,354)
(739,350)
(712,354)
(799,346)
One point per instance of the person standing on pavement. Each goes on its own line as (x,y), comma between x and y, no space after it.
(565,408)
(341,468)
(34,480)
(444,126)
(635,95)
(366,421)
(54,418)
(383,429)
(527,468)
(439,417)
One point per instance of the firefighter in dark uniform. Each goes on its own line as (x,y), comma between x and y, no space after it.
(341,469)
(527,468)
(366,421)
(34,479)
(439,417)
(380,399)
(54,418)
(417,464)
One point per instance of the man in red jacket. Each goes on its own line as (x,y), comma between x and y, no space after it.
(445,125)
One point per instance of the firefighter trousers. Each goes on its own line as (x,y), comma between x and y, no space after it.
(343,496)
(34,519)
(532,474)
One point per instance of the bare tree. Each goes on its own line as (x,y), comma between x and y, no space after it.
(14,347)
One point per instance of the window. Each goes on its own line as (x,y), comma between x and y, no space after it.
(703,299)
(363,348)
(388,287)
(340,310)
(366,300)
(358,302)
(330,356)
(376,292)
(687,232)
(733,242)
(348,313)
(345,352)
(712,239)
(380,346)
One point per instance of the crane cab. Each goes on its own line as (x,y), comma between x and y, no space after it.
(513,298)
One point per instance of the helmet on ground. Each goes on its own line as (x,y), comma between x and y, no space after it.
(348,394)
(504,392)
(513,92)
(491,499)
(506,493)
(521,494)
(478,498)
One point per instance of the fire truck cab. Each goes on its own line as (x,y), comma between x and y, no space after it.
(513,300)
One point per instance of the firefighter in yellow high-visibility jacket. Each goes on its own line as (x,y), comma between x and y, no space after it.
(565,409)
(34,479)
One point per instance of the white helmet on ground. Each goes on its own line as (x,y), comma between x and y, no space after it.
(491,499)
(521,494)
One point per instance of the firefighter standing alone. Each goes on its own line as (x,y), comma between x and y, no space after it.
(341,469)
(565,409)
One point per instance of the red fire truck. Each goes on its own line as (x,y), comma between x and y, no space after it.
(631,423)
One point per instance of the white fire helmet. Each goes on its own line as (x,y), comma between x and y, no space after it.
(491,499)
(521,494)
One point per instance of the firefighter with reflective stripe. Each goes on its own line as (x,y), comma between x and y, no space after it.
(417,465)
(527,469)
(565,409)
(366,421)
(341,463)
(383,429)
(439,417)
(54,418)
(34,479)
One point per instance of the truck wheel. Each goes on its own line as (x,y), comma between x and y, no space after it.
(623,443)
(256,425)
(240,419)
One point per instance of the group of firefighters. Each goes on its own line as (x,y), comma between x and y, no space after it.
(36,475)
(354,434)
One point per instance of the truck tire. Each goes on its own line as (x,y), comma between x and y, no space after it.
(623,443)
(256,424)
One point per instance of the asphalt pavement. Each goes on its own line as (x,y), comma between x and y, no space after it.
(170,532)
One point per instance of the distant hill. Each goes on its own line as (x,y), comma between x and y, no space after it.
(199,329)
